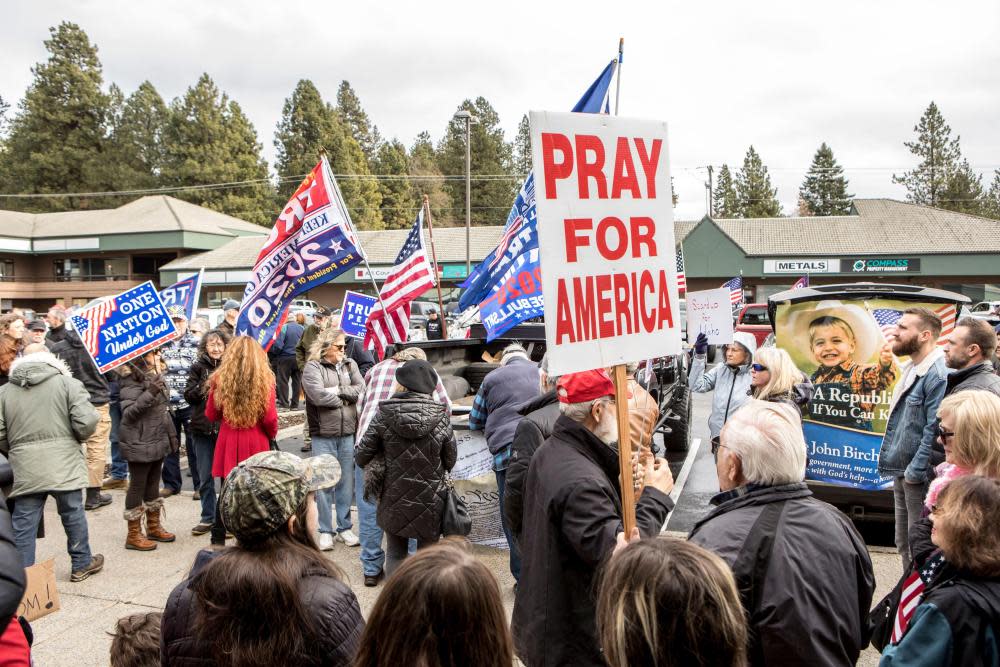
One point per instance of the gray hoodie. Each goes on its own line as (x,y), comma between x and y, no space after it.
(730,384)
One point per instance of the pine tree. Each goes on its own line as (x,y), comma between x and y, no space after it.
(493,183)
(56,142)
(522,148)
(209,140)
(360,126)
(824,191)
(963,191)
(307,125)
(940,158)
(756,197)
(991,200)
(724,201)
(398,196)
(429,181)
(4,108)
(136,141)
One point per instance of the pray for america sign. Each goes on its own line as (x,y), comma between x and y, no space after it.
(606,237)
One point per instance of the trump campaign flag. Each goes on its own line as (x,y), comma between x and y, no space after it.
(507,284)
(312,242)
(184,293)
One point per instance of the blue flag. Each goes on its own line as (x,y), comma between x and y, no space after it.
(184,293)
(507,285)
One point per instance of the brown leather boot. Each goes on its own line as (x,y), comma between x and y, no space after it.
(154,529)
(135,539)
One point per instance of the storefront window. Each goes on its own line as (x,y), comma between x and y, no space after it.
(218,297)
(93,268)
(7,269)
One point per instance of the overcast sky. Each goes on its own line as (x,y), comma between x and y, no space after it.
(783,76)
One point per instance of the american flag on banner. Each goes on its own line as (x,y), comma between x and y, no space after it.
(887,319)
(89,327)
(411,276)
(801,282)
(949,317)
(681,280)
(735,287)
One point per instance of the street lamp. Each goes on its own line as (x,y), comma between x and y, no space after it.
(469,119)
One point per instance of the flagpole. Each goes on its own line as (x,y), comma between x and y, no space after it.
(354,232)
(618,79)
(437,274)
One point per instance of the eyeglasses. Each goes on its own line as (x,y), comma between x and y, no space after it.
(758,368)
(943,434)
(339,347)
(935,509)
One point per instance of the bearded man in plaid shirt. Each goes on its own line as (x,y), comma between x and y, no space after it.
(380,382)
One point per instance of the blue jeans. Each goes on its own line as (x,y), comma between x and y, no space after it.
(204,445)
(343,494)
(28,512)
(515,553)
(172,464)
(372,557)
(119,466)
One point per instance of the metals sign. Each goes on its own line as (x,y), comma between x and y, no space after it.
(800,266)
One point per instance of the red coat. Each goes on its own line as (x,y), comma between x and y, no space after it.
(238,444)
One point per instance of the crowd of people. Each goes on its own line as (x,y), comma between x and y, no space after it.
(769,576)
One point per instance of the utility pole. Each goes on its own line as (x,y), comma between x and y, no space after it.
(469,119)
(710,193)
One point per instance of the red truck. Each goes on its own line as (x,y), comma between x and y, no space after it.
(753,319)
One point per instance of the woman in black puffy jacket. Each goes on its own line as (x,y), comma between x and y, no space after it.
(413,433)
(211,347)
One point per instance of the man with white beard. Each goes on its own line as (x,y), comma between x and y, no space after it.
(572,522)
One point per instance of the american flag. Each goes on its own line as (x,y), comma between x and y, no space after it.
(508,235)
(913,590)
(801,282)
(681,280)
(89,327)
(949,317)
(887,319)
(735,287)
(411,276)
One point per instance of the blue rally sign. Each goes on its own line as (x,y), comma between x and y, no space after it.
(184,293)
(124,327)
(354,314)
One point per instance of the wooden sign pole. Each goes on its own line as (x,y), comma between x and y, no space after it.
(624,449)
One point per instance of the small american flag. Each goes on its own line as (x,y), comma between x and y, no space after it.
(681,280)
(411,276)
(508,235)
(735,287)
(89,327)
(801,282)
(913,590)
(887,319)
(949,316)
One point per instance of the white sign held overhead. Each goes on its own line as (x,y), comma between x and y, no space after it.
(606,239)
(710,312)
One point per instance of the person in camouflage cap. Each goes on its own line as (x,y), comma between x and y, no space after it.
(263,492)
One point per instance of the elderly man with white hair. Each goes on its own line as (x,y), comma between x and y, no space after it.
(572,522)
(803,570)
(495,411)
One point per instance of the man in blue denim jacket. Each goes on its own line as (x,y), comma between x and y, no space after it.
(912,426)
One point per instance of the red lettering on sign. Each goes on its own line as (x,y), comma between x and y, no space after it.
(624,177)
(564,322)
(647,313)
(585,169)
(606,325)
(649,163)
(622,304)
(602,238)
(664,303)
(642,229)
(586,314)
(552,142)
(573,240)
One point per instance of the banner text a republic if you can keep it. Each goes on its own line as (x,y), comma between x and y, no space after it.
(606,237)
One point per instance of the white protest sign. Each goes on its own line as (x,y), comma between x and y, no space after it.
(606,239)
(709,312)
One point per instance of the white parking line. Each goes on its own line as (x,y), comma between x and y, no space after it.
(682,477)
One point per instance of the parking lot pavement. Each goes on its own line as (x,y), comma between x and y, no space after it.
(134,582)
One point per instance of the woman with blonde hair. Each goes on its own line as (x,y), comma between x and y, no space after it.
(774,377)
(653,601)
(241,398)
(333,384)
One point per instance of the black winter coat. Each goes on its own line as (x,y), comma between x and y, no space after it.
(979,377)
(363,358)
(414,434)
(146,432)
(71,350)
(196,394)
(337,618)
(540,415)
(572,517)
(815,590)
(12,577)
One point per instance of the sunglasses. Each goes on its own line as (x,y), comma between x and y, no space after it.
(339,347)
(758,368)
(943,434)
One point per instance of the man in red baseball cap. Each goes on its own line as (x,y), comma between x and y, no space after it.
(572,520)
